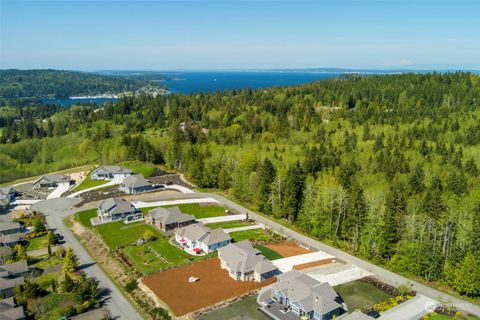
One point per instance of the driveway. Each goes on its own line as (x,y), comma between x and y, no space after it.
(235,217)
(412,309)
(57,193)
(287,264)
(55,211)
(109,183)
(337,273)
(142,204)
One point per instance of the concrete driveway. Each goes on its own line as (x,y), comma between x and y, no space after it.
(412,309)
(287,264)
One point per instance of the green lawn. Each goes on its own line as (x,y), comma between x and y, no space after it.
(269,253)
(45,280)
(55,305)
(195,209)
(246,308)
(444,317)
(37,243)
(119,234)
(157,255)
(144,168)
(84,217)
(358,294)
(229,224)
(89,183)
(255,234)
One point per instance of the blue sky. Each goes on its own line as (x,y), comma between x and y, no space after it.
(173,35)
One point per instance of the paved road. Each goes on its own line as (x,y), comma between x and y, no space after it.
(253,227)
(412,309)
(383,274)
(55,211)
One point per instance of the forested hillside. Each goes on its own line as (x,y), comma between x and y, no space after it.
(383,166)
(27,86)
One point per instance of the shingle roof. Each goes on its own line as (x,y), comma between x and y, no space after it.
(13,269)
(243,257)
(311,294)
(216,236)
(4,226)
(9,238)
(193,232)
(11,283)
(53,178)
(8,311)
(115,169)
(5,191)
(136,181)
(116,206)
(357,315)
(5,251)
(170,215)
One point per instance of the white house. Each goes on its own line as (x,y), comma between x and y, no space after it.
(110,172)
(196,237)
(51,181)
(7,195)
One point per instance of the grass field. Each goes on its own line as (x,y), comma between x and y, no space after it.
(246,307)
(85,216)
(359,294)
(229,224)
(195,209)
(118,234)
(255,234)
(146,169)
(55,305)
(45,280)
(157,255)
(269,253)
(89,183)
(37,243)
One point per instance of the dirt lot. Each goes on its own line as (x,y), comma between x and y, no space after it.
(214,286)
(312,264)
(287,248)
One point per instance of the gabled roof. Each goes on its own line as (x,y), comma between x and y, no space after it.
(116,206)
(5,251)
(136,181)
(114,169)
(53,178)
(357,315)
(193,232)
(8,311)
(11,283)
(307,292)
(5,191)
(243,257)
(216,236)
(170,215)
(9,238)
(13,269)
(4,226)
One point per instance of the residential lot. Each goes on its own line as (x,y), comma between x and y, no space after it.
(259,235)
(245,309)
(288,248)
(359,294)
(119,234)
(214,286)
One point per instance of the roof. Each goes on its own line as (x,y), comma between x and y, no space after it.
(5,191)
(193,231)
(114,169)
(9,238)
(53,178)
(4,226)
(357,315)
(11,283)
(8,311)
(13,269)
(96,314)
(307,292)
(216,236)
(243,257)
(136,181)
(170,215)
(5,251)
(116,206)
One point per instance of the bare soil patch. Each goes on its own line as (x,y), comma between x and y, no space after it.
(214,286)
(288,248)
(312,264)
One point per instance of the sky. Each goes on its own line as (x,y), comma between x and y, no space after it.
(228,34)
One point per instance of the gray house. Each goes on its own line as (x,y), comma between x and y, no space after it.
(196,237)
(117,209)
(110,172)
(244,262)
(8,311)
(14,270)
(7,286)
(6,253)
(51,181)
(167,219)
(7,228)
(306,297)
(9,240)
(7,195)
(136,184)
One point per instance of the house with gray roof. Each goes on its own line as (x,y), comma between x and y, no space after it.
(51,181)
(110,172)
(7,196)
(136,184)
(6,253)
(356,315)
(8,310)
(7,286)
(197,237)
(114,209)
(9,240)
(14,270)
(7,228)
(167,219)
(244,262)
(305,297)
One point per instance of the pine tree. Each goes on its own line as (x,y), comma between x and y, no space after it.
(266,176)
(415,180)
(395,206)
(465,275)
(355,216)
(70,261)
